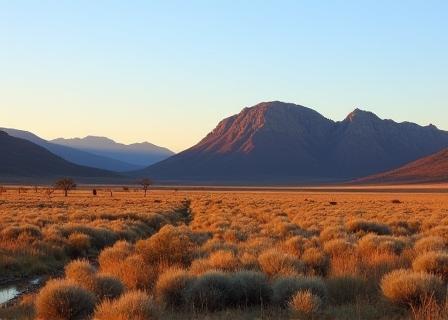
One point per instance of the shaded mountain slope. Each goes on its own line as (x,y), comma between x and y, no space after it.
(431,169)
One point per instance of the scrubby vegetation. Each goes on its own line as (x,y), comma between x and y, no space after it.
(224,255)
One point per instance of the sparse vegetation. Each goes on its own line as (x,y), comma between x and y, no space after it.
(226,255)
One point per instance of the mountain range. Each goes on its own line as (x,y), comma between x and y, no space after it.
(98,152)
(269,143)
(23,159)
(276,142)
(137,154)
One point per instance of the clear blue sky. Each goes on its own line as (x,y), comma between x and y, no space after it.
(168,71)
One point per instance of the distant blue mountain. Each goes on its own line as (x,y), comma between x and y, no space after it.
(138,154)
(74,155)
(23,159)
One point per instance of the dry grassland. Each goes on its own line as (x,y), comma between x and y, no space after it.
(227,254)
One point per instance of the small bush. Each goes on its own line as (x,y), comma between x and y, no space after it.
(64,300)
(107,287)
(172,287)
(338,247)
(332,233)
(170,246)
(120,251)
(388,244)
(432,262)
(133,272)
(346,289)
(133,305)
(359,225)
(286,288)
(82,273)
(250,288)
(294,246)
(224,260)
(210,292)
(431,243)
(412,288)
(78,244)
(316,262)
(275,263)
(304,303)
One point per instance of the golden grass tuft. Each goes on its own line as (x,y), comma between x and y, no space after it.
(133,305)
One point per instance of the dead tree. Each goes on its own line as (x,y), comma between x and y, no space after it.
(145,183)
(65,184)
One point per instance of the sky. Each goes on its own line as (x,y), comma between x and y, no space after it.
(168,71)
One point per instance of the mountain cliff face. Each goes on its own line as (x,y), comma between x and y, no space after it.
(286,143)
(431,169)
(23,159)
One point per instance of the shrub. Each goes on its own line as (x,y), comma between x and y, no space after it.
(82,273)
(78,244)
(172,287)
(286,288)
(64,300)
(119,252)
(359,225)
(210,292)
(346,289)
(389,244)
(333,233)
(294,246)
(316,262)
(23,232)
(200,266)
(431,243)
(250,288)
(223,260)
(133,305)
(432,262)
(412,288)
(107,287)
(170,246)
(304,303)
(275,263)
(133,272)
(338,247)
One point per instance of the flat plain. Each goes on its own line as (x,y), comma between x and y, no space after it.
(198,253)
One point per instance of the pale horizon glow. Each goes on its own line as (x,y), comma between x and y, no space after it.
(168,71)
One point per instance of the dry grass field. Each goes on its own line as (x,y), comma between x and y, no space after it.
(226,254)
